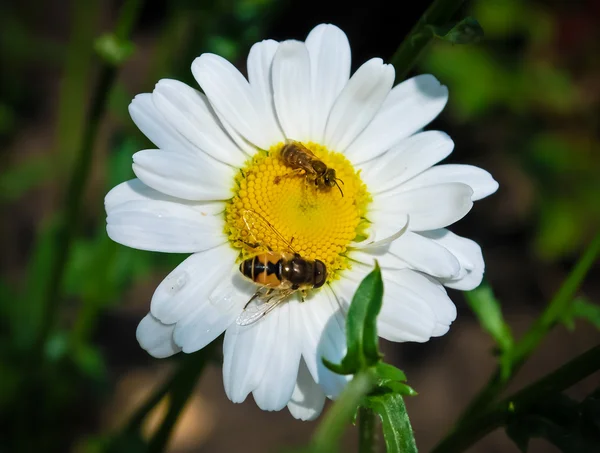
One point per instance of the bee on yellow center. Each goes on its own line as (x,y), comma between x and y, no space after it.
(304,219)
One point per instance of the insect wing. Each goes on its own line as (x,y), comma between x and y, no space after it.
(254,222)
(262,303)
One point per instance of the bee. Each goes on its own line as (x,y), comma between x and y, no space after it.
(297,156)
(279,274)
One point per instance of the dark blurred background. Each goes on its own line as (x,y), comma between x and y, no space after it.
(524,104)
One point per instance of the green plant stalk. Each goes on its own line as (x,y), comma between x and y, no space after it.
(330,430)
(566,376)
(180,389)
(77,182)
(411,49)
(536,333)
(366,430)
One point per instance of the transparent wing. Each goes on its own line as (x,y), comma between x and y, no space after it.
(262,303)
(302,147)
(255,222)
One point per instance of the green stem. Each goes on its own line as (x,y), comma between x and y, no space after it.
(335,421)
(408,53)
(566,376)
(181,388)
(366,430)
(69,220)
(523,349)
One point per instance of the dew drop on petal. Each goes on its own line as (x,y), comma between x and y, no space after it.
(177,282)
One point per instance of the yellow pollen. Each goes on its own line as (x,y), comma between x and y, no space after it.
(318,223)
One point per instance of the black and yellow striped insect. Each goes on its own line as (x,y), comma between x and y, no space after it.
(279,274)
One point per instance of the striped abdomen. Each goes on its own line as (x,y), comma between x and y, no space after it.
(266,269)
(284,271)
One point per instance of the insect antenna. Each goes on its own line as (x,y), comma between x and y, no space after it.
(338,186)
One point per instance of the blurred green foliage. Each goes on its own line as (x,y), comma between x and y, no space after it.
(525,79)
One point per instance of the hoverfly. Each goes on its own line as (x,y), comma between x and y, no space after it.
(279,274)
(298,157)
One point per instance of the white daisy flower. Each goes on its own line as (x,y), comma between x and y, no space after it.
(218,156)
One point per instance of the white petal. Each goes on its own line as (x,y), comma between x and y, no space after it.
(133,190)
(407,159)
(188,286)
(482,183)
(198,177)
(384,224)
(189,112)
(358,103)
(260,64)
(156,337)
(419,252)
(324,331)
(467,252)
(156,127)
(230,94)
(415,306)
(212,316)
(404,316)
(291,87)
(164,226)
(281,370)
(410,106)
(330,59)
(307,399)
(429,207)
(247,350)
(433,293)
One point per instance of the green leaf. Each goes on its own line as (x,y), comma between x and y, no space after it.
(397,432)
(391,379)
(487,309)
(466,31)
(389,372)
(361,326)
(581,308)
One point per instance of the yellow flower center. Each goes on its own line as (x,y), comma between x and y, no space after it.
(297,215)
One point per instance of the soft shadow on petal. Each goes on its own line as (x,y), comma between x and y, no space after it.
(291,87)
(189,112)
(136,190)
(330,60)
(429,208)
(194,178)
(281,369)
(156,127)
(407,159)
(164,226)
(308,399)
(214,314)
(482,183)
(247,350)
(230,94)
(358,103)
(409,107)
(414,251)
(325,337)
(467,252)
(432,292)
(260,66)
(187,287)
(156,338)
